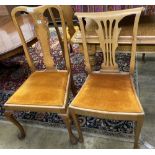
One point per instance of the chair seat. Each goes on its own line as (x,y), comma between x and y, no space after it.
(111,93)
(41,89)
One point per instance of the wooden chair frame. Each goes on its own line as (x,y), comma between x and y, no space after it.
(69,15)
(108,44)
(42,34)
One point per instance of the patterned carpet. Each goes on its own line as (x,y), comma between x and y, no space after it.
(14,71)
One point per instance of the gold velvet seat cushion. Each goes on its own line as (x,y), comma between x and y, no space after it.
(112,93)
(42,89)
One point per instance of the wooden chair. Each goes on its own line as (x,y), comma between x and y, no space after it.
(46,90)
(108,93)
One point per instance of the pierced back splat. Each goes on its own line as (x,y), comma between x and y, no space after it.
(108,38)
(108,31)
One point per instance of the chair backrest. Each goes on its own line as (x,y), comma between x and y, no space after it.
(107,29)
(41,28)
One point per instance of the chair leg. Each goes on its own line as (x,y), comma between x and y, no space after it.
(73,88)
(143,57)
(11,118)
(77,124)
(67,121)
(71,49)
(138,127)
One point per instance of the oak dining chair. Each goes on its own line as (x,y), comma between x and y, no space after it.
(108,93)
(46,90)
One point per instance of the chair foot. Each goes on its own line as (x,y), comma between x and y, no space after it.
(73,140)
(11,118)
(138,127)
(67,121)
(136,146)
(81,140)
(77,124)
(21,136)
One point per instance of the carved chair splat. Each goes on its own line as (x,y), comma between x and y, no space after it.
(113,100)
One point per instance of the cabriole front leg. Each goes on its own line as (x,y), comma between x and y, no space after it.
(67,122)
(11,118)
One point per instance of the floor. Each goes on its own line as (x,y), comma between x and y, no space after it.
(146,77)
(48,137)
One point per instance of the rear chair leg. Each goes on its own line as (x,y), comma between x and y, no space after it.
(11,118)
(73,88)
(67,121)
(77,124)
(143,57)
(71,49)
(138,127)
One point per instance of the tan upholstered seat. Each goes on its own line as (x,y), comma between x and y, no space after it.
(41,88)
(112,93)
